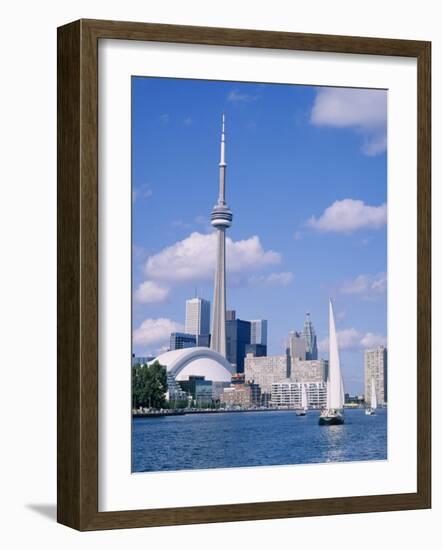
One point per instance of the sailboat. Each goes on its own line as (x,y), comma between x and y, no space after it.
(304,403)
(333,413)
(371,410)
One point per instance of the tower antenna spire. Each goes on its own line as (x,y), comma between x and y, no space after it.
(222,163)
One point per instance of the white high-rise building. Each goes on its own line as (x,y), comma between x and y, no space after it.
(258,332)
(375,367)
(197,316)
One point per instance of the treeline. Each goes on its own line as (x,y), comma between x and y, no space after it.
(149,386)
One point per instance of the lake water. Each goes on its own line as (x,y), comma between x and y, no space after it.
(224,440)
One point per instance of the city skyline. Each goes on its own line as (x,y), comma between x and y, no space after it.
(275,272)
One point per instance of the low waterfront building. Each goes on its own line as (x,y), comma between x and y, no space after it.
(289,394)
(217,390)
(238,378)
(265,370)
(375,366)
(356,400)
(199,388)
(241,395)
(174,390)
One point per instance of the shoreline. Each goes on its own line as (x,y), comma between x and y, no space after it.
(175,412)
(183,412)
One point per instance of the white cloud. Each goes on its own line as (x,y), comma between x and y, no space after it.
(374,145)
(361,109)
(297,235)
(351,339)
(371,340)
(237,97)
(282,278)
(194,258)
(150,292)
(366,285)
(343,107)
(155,332)
(349,215)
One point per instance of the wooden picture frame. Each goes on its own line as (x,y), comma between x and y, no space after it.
(78,274)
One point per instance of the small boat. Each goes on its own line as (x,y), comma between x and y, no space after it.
(333,413)
(331,417)
(371,410)
(304,402)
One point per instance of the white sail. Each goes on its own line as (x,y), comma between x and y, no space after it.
(373,400)
(335,388)
(304,403)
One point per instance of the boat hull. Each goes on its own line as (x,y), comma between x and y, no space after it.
(333,420)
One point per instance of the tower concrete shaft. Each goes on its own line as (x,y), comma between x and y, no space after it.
(221,219)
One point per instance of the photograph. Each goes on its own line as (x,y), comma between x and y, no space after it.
(259,274)
(221,241)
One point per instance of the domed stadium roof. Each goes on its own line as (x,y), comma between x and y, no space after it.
(182,363)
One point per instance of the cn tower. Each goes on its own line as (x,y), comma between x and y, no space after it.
(221,219)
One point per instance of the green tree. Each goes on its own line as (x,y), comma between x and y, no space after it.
(149,385)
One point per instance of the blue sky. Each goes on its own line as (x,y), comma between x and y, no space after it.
(307,184)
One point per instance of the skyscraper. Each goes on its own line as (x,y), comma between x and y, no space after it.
(297,346)
(221,219)
(257,350)
(258,334)
(375,367)
(237,338)
(197,317)
(309,334)
(230,315)
(181,340)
